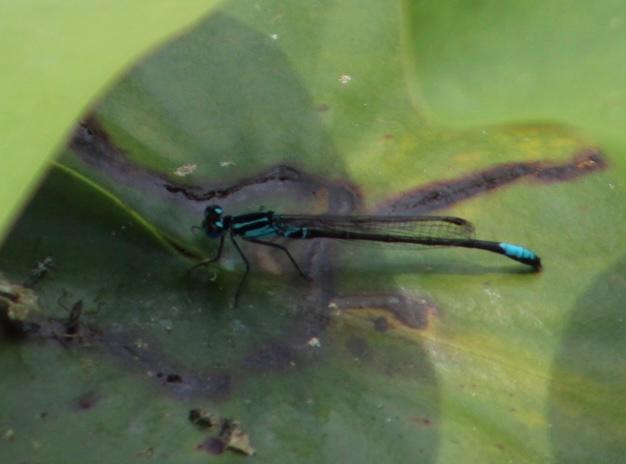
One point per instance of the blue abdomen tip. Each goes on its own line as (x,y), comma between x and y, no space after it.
(516,251)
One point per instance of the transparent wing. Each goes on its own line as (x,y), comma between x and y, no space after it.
(398,226)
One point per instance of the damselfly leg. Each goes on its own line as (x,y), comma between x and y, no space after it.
(245,274)
(205,262)
(280,247)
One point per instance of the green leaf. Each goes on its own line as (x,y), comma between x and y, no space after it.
(57,57)
(388,355)
(489,62)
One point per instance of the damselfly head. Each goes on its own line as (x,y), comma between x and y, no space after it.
(213,223)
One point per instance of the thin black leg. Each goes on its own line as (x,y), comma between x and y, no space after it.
(245,260)
(217,256)
(280,247)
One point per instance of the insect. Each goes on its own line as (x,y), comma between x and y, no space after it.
(416,230)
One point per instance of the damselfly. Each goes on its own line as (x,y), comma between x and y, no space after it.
(415,230)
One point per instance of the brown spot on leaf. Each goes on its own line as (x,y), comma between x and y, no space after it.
(425,421)
(443,194)
(279,173)
(173,378)
(582,164)
(88,400)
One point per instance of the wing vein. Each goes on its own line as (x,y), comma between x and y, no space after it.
(401,226)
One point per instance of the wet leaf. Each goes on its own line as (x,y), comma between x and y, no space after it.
(387,355)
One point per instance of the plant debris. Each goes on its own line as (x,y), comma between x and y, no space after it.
(230,436)
(185,170)
(41,270)
(203,418)
(235,438)
(72,325)
(16,302)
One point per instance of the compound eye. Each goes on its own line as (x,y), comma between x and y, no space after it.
(213,210)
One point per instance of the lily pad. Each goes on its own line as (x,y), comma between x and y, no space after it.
(389,354)
(50,76)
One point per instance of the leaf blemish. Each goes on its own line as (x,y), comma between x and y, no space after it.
(88,400)
(443,194)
